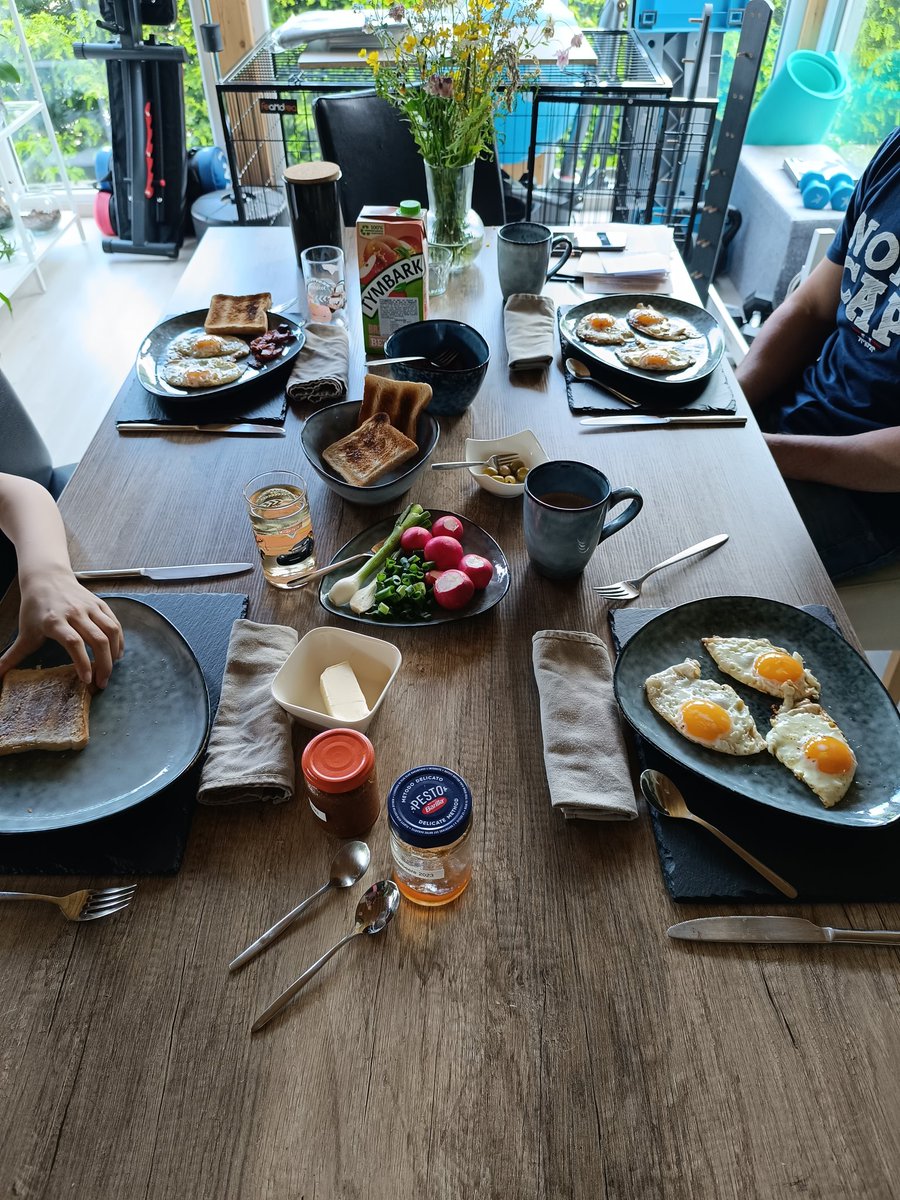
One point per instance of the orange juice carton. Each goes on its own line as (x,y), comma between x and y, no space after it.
(393,270)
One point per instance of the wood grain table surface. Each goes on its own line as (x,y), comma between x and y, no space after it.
(541,1037)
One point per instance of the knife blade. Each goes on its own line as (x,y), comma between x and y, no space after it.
(193,571)
(776,929)
(645,420)
(243,428)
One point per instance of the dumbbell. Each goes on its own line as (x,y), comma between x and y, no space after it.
(818,192)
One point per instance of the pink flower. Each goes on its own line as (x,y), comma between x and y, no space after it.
(562,57)
(577,40)
(440,85)
(396,12)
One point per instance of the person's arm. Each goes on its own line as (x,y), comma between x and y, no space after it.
(793,336)
(862,462)
(54,604)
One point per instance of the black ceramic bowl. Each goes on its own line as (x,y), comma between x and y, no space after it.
(329,424)
(454,387)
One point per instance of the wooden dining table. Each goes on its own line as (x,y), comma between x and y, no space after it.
(541,1037)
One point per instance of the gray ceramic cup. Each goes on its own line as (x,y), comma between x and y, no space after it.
(566,506)
(523,257)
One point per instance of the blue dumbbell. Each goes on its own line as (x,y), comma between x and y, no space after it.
(814,190)
(840,186)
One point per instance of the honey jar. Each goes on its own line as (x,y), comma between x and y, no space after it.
(341,784)
(430,816)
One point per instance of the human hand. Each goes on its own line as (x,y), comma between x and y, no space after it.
(55,605)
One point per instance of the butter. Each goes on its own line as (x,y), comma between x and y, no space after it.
(341,693)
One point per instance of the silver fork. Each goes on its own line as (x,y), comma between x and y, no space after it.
(498,461)
(630,589)
(86,905)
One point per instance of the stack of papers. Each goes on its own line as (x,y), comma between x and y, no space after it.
(641,271)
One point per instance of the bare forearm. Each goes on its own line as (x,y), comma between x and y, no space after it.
(864,462)
(783,348)
(30,519)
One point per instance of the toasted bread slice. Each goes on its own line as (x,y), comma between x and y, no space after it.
(242,316)
(401,401)
(44,709)
(375,448)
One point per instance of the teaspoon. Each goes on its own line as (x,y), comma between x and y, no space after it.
(349,864)
(373,913)
(661,793)
(577,368)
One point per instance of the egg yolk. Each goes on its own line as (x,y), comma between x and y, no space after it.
(829,754)
(777,668)
(705,720)
(602,321)
(655,358)
(647,318)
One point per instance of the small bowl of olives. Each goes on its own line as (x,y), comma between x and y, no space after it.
(528,453)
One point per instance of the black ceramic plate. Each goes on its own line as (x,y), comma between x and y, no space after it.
(707,346)
(146,729)
(151,356)
(475,541)
(852,695)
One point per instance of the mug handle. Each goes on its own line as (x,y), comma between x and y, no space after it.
(620,494)
(560,243)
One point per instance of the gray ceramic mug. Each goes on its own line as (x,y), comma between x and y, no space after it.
(523,257)
(566,506)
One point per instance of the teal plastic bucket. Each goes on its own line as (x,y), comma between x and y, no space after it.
(801,101)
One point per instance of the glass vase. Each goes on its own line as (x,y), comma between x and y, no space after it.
(451,221)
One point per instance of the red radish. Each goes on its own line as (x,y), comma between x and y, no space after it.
(448,526)
(431,577)
(415,538)
(454,589)
(444,552)
(478,569)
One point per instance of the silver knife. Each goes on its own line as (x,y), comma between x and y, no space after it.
(776,929)
(645,420)
(240,428)
(198,571)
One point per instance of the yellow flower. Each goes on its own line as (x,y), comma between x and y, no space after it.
(409,43)
(427,41)
(371,58)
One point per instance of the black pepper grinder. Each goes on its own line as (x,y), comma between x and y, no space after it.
(314,205)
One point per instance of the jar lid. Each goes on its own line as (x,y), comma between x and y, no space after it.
(338,760)
(410,208)
(429,807)
(312,172)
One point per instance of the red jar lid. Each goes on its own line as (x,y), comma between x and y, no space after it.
(338,760)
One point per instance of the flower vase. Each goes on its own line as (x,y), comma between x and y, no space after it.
(451,221)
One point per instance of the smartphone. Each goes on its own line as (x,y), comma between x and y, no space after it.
(602,239)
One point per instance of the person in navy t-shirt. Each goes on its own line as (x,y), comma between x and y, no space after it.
(824,376)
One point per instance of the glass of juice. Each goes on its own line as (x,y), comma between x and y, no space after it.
(279,514)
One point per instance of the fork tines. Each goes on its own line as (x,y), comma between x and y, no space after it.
(106,901)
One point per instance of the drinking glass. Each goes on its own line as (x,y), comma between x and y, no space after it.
(323,273)
(279,515)
(440,260)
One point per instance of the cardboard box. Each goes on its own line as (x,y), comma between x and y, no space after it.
(393,273)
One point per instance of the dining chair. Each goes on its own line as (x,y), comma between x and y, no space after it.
(23,452)
(872,602)
(379,160)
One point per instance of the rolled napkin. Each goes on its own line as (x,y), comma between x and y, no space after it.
(530,323)
(584,751)
(322,367)
(250,756)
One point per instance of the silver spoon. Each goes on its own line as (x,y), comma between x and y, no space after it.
(373,913)
(661,793)
(349,865)
(577,368)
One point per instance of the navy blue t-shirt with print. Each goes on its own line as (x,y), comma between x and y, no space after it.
(855,384)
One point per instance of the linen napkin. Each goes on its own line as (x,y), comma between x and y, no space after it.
(321,368)
(250,755)
(529,323)
(584,751)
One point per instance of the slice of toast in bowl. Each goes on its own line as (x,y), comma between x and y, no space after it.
(370,451)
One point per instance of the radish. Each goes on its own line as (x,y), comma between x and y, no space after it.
(444,552)
(454,589)
(432,576)
(478,569)
(415,538)
(448,526)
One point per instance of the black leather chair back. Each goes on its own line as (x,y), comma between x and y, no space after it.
(379,160)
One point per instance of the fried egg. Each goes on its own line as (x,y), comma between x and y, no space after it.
(657,358)
(708,713)
(809,743)
(759,664)
(199,344)
(201,372)
(602,329)
(646,319)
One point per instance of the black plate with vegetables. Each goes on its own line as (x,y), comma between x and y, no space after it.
(401,595)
